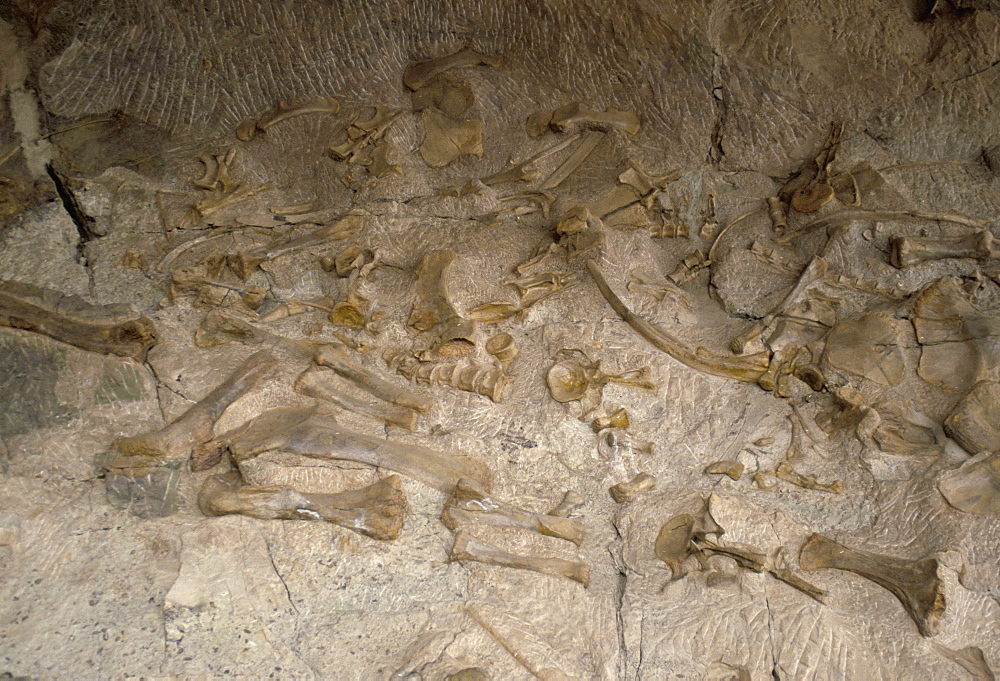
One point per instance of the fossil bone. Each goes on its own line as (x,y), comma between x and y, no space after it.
(868,347)
(433,311)
(317,383)
(617,419)
(785,472)
(71,320)
(974,487)
(588,143)
(419,74)
(975,422)
(907,251)
(337,358)
(503,347)
(525,171)
(376,511)
(576,377)
(734,469)
(776,211)
(571,501)
(447,138)
(243,264)
(445,92)
(626,491)
(282,111)
(915,583)
(468,548)
(468,505)
(468,374)
(578,113)
(970,658)
(810,199)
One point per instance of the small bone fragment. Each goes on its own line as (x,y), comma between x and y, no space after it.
(503,347)
(470,505)
(537,123)
(785,472)
(748,368)
(337,358)
(290,308)
(915,583)
(376,511)
(174,443)
(419,74)
(294,209)
(907,251)
(470,674)
(975,422)
(282,111)
(348,260)
(446,138)
(302,431)
(765,480)
(543,203)
(445,92)
(626,491)
(810,199)
(578,113)
(253,296)
(777,212)
(616,419)
(70,320)
(317,383)
(734,469)
(793,580)
(352,312)
(468,547)
(570,502)
(588,143)
(433,310)
(970,658)
(210,177)
(643,183)
(974,487)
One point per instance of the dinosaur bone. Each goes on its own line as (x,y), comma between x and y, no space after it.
(318,383)
(468,547)
(282,111)
(433,311)
(974,487)
(575,160)
(469,374)
(578,113)
(915,583)
(626,491)
(570,502)
(468,505)
(419,74)
(785,472)
(911,250)
(376,511)
(970,658)
(337,358)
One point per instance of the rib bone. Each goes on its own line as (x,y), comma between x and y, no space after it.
(317,383)
(282,111)
(470,505)
(915,583)
(376,511)
(468,547)
(579,113)
(911,250)
(419,74)
(41,311)
(575,160)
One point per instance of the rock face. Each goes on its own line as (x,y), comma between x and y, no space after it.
(763,233)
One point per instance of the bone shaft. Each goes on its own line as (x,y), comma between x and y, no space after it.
(575,160)
(468,547)
(907,251)
(552,526)
(418,75)
(337,359)
(283,113)
(312,383)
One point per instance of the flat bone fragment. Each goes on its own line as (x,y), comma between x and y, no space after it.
(588,143)
(282,111)
(578,113)
(810,199)
(970,658)
(915,583)
(376,511)
(70,320)
(747,368)
(907,251)
(469,506)
(433,311)
(626,491)
(734,469)
(446,138)
(571,501)
(537,123)
(445,92)
(419,74)
(302,431)
(318,383)
(793,580)
(974,487)
(868,347)
(785,472)
(218,328)
(174,443)
(336,357)
(975,422)
(468,547)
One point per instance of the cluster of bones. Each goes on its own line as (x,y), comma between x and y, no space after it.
(834,339)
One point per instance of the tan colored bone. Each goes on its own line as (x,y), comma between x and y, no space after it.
(676,540)
(470,375)
(282,111)
(578,113)
(468,548)
(376,511)
(218,328)
(907,251)
(734,469)
(588,143)
(974,487)
(970,658)
(336,357)
(433,311)
(319,383)
(776,211)
(626,491)
(619,418)
(915,583)
(419,74)
(447,138)
(503,347)
(243,263)
(302,431)
(571,501)
(975,421)
(468,505)
(525,171)
(785,472)
(174,443)
(72,321)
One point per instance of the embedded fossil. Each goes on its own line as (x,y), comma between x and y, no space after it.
(615,444)
(71,320)
(503,348)
(975,422)
(907,251)
(915,583)
(352,312)
(468,548)
(470,674)
(689,267)
(868,347)
(302,431)
(445,92)
(578,113)
(537,202)
(216,175)
(675,541)
(974,487)
(218,328)
(525,171)
(537,123)
(376,511)
(320,383)
(841,218)
(970,658)
(337,358)
(243,264)
(802,188)
(468,374)
(364,143)
(588,143)
(571,501)
(532,289)
(626,491)
(419,74)
(576,377)
(777,214)
(810,199)
(748,368)
(734,469)
(447,138)
(173,443)
(433,311)
(793,580)
(785,472)
(644,184)
(468,505)
(616,419)
(282,111)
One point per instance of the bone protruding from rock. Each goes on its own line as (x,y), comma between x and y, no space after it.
(626,491)
(322,384)
(469,548)
(376,511)
(244,263)
(526,171)
(302,431)
(336,357)
(469,506)
(747,368)
(282,111)
(588,143)
(419,74)
(914,582)
(503,347)
(447,138)
(433,311)
(578,113)
(970,658)
(974,487)
(734,469)
(174,443)
(469,374)
(218,328)
(975,421)
(907,251)
(785,472)
(676,540)
(776,211)
(571,501)
(73,321)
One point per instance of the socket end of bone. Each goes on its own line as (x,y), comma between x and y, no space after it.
(626,491)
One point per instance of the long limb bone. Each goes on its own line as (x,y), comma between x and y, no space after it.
(468,547)
(580,154)
(433,310)
(336,358)
(469,505)
(376,511)
(578,113)
(419,74)
(316,383)
(910,250)
(915,583)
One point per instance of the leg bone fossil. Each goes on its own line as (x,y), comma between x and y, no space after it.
(468,547)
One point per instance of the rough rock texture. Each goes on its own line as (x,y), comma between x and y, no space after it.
(112,110)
